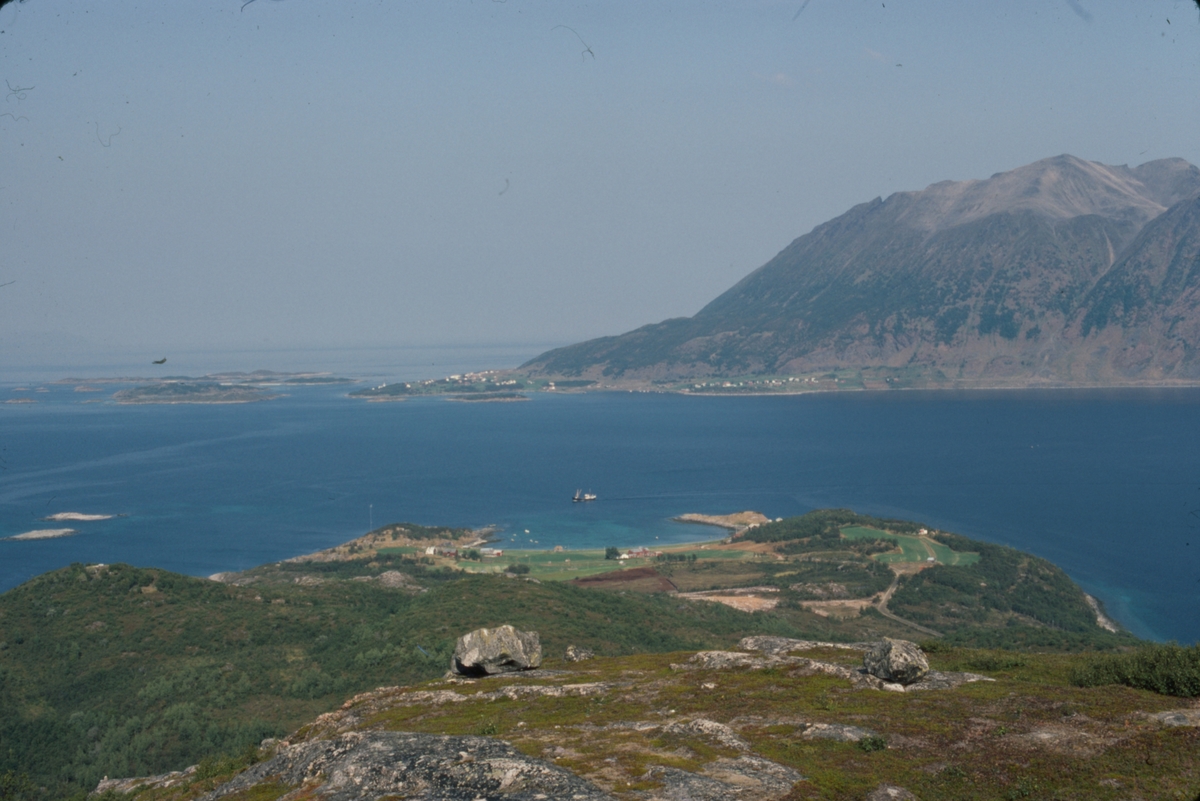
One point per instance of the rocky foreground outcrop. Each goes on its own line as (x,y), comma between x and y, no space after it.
(364,766)
(763,723)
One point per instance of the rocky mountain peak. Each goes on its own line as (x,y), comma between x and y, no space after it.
(1059,188)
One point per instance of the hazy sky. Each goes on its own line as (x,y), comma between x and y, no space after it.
(307,173)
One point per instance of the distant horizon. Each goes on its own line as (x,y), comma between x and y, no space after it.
(394,362)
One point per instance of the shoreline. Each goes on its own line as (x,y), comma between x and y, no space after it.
(998,388)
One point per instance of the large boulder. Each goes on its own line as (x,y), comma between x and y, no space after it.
(896,661)
(484,652)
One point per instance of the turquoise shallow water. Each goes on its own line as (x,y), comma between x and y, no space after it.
(1105,484)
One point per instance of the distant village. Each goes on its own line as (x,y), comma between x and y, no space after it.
(449,551)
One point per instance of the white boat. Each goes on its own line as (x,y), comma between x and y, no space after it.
(581,496)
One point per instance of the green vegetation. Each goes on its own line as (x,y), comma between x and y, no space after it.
(612,553)
(871,743)
(979,594)
(125,671)
(1168,669)
(823,528)
(566,565)
(912,549)
(1005,599)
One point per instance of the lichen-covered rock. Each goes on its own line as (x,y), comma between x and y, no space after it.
(838,732)
(577,653)
(780,646)
(161,781)
(748,777)
(898,661)
(484,652)
(1178,717)
(709,729)
(364,766)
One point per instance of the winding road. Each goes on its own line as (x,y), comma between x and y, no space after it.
(883,610)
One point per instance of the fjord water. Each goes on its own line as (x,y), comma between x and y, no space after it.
(1104,483)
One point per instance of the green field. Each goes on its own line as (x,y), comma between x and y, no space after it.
(565,565)
(912,549)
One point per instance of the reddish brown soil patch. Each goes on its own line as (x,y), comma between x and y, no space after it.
(637,579)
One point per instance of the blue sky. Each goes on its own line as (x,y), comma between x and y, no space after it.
(302,173)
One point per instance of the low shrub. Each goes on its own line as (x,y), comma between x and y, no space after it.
(1168,669)
(872,742)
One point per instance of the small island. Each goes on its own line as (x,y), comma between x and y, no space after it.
(61,517)
(43,534)
(191,392)
(226,387)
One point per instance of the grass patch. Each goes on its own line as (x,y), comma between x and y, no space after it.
(912,548)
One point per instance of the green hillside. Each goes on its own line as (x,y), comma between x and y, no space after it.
(125,671)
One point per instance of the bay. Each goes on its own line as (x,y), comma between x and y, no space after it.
(1105,483)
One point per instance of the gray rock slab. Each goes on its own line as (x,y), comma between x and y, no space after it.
(839,732)
(778,646)
(364,766)
(748,777)
(947,680)
(161,781)
(1178,717)
(709,729)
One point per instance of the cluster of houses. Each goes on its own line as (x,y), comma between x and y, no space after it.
(639,553)
(451,552)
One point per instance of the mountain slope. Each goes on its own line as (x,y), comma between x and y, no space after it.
(1012,278)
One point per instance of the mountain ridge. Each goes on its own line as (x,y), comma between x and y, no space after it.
(1013,279)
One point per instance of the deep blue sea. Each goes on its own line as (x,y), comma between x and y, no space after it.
(1104,483)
